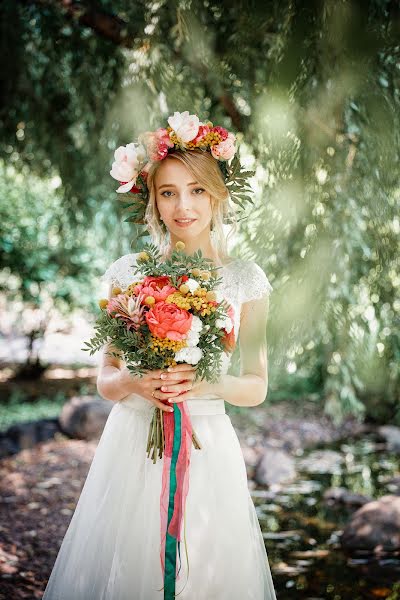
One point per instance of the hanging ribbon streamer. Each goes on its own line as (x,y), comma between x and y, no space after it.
(175,487)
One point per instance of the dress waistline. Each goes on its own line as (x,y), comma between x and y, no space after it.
(204,405)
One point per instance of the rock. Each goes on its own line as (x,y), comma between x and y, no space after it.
(391,434)
(374,527)
(341,495)
(274,466)
(299,432)
(84,417)
(321,461)
(22,436)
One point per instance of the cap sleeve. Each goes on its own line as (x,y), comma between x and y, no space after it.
(120,272)
(255,283)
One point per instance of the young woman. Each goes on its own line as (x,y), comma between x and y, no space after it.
(111,548)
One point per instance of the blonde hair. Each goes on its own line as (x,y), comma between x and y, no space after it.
(203,166)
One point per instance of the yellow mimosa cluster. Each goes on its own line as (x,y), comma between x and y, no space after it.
(210,139)
(199,300)
(160,345)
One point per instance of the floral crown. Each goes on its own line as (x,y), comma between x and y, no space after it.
(184,132)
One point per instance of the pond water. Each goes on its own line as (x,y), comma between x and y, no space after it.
(301,530)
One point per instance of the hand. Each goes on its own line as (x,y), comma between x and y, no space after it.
(176,389)
(148,386)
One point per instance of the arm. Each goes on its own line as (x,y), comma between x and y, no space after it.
(114,381)
(250,388)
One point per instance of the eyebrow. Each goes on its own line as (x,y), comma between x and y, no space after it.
(173,185)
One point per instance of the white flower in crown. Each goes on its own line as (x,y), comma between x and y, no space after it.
(184,125)
(128,162)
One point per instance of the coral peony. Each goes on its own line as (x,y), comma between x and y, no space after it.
(169,321)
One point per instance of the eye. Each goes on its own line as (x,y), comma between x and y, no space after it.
(199,189)
(166,192)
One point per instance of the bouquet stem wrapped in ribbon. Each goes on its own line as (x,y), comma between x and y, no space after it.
(171,314)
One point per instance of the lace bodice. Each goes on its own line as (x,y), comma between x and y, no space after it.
(242,281)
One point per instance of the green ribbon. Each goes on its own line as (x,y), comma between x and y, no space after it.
(170,544)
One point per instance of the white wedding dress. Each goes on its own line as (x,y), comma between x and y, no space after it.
(111,550)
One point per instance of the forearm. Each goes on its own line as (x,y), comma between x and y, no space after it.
(112,385)
(245,390)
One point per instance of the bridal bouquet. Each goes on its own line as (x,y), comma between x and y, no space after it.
(171,313)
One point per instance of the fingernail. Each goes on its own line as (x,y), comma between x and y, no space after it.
(164,376)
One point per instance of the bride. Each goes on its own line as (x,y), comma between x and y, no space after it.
(111,550)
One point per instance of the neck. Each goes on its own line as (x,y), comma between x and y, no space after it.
(192,245)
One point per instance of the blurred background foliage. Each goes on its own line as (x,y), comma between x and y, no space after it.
(312,90)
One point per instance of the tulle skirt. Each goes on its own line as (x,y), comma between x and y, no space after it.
(111,550)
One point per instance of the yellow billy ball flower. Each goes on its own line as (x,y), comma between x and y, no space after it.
(205,275)
(196,272)
(116,290)
(103,302)
(211,296)
(149,300)
(184,289)
(143,256)
(180,245)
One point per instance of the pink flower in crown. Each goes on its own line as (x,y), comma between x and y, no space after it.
(221,131)
(185,126)
(224,150)
(157,143)
(126,166)
(203,130)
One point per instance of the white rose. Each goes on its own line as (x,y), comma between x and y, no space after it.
(197,324)
(224,323)
(192,338)
(185,126)
(189,355)
(192,284)
(127,164)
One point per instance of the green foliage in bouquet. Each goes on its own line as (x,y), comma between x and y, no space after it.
(133,345)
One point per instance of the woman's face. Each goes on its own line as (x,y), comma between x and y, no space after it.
(180,196)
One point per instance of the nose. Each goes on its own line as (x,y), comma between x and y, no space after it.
(184,200)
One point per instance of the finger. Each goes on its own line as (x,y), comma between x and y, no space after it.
(161,405)
(181,397)
(181,367)
(174,388)
(156,374)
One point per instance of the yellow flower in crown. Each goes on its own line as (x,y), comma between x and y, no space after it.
(184,132)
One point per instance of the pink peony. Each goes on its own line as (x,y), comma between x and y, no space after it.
(157,287)
(221,131)
(203,130)
(169,321)
(224,150)
(157,143)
